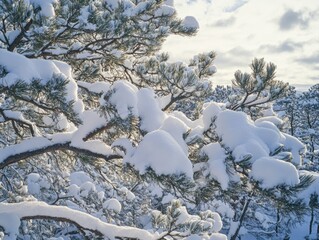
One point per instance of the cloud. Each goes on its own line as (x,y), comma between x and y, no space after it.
(238,4)
(286,46)
(284,32)
(312,59)
(194,1)
(236,58)
(291,19)
(315,78)
(224,22)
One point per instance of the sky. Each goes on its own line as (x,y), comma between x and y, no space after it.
(285,32)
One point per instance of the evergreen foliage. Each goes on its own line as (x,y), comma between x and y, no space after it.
(103,137)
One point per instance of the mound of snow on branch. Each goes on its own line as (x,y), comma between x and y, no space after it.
(312,189)
(272,172)
(190,22)
(11,213)
(247,139)
(20,68)
(216,163)
(159,151)
(113,204)
(149,110)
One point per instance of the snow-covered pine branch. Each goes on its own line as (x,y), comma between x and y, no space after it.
(14,212)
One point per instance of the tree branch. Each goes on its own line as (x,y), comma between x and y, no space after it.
(18,39)
(13,154)
(84,221)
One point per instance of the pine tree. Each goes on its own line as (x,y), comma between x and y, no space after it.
(103,137)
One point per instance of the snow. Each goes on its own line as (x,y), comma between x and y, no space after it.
(263,219)
(79,178)
(23,69)
(124,144)
(81,185)
(216,163)
(71,87)
(223,208)
(11,35)
(63,122)
(140,7)
(11,224)
(210,113)
(233,226)
(96,87)
(190,22)
(273,119)
(46,6)
(176,128)
(313,188)
(149,110)
(113,4)
(165,10)
(296,147)
(159,151)
(167,198)
(128,64)
(218,236)
(87,188)
(169,3)
(129,196)
(272,172)
(212,69)
(248,139)
(16,115)
(33,185)
(301,230)
(16,211)
(156,191)
(188,122)
(216,220)
(73,190)
(83,19)
(113,204)
(25,146)
(184,216)
(163,148)
(124,98)
(91,121)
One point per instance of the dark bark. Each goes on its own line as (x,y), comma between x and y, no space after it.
(241,220)
(54,147)
(311,221)
(18,39)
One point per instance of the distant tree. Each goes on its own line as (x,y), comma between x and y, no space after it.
(288,110)
(253,93)
(260,86)
(301,114)
(314,205)
(308,130)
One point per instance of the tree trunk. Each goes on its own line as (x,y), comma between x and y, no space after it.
(277,222)
(292,130)
(311,221)
(241,220)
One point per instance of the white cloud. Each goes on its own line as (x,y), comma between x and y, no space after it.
(283,32)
